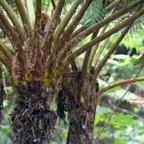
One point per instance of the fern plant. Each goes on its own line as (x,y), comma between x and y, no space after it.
(42,65)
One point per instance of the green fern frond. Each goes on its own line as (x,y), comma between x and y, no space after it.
(45,4)
(94,14)
(134,37)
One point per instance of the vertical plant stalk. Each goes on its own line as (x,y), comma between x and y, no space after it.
(100,66)
(13,18)
(9,30)
(6,62)
(53,4)
(5,51)
(24,17)
(49,39)
(97,56)
(15,41)
(85,67)
(48,47)
(37,38)
(93,55)
(67,34)
(61,28)
(52,26)
(37,26)
(65,21)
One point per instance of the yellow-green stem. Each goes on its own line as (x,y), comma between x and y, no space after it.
(110,86)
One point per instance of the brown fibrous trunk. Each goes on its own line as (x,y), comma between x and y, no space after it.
(32,121)
(81,116)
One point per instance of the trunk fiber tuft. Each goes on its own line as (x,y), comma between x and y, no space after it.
(32,121)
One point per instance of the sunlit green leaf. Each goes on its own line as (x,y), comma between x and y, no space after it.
(120,140)
(52,142)
(122,120)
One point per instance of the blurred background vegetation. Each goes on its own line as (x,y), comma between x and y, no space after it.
(127,124)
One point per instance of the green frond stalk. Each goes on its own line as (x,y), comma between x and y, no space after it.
(85,66)
(13,18)
(102,23)
(15,41)
(53,4)
(55,20)
(97,56)
(94,49)
(70,29)
(104,60)
(7,27)
(106,34)
(52,26)
(65,21)
(5,51)
(65,8)
(73,24)
(78,31)
(110,86)
(37,27)
(112,5)
(37,38)
(49,38)
(6,62)
(38,15)
(24,18)
(93,55)
(96,40)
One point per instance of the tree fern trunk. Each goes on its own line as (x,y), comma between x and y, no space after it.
(81,127)
(32,122)
(81,117)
